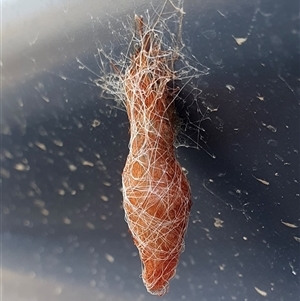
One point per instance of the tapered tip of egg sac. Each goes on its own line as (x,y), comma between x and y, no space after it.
(158,288)
(157,274)
(158,291)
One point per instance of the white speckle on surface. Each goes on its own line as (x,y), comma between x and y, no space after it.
(61,192)
(46,99)
(26,222)
(230,87)
(41,146)
(261,292)
(109,258)
(261,181)
(21,167)
(7,154)
(269,127)
(222,14)
(87,163)
(261,98)
(90,225)
(218,223)
(95,123)
(290,225)
(58,290)
(104,198)
(4,173)
(72,167)
(67,221)
(81,186)
(39,203)
(240,41)
(58,142)
(45,212)
(292,268)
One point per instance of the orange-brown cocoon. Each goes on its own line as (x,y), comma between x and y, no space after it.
(157,196)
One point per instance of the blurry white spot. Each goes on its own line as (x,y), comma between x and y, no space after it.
(5,130)
(230,87)
(95,123)
(297,238)
(106,184)
(90,225)
(218,223)
(208,236)
(7,154)
(222,267)
(109,258)
(292,267)
(67,221)
(21,167)
(58,142)
(261,292)
(81,186)
(104,198)
(61,192)
(87,163)
(269,127)
(58,290)
(46,99)
(39,203)
(20,102)
(41,146)
(45,212)
(26,222)
(261,98)
(4,173)
(245,238)
(261,181)
(289,225)
(72,167)
(221,14)
(192,260)
(240,41)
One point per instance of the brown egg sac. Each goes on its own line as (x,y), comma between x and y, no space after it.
(156,193)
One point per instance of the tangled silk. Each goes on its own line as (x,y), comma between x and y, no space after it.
(157,196)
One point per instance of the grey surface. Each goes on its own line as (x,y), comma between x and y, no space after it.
(63,231)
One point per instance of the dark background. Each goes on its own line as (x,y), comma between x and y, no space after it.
(63,149)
